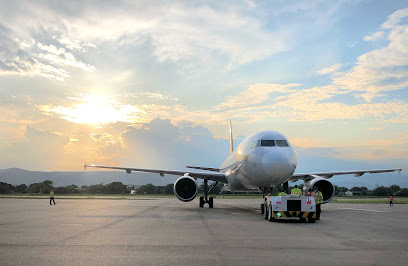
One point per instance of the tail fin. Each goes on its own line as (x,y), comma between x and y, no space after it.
(231,140)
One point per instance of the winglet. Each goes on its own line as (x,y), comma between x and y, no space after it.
(85,166)
(231,139)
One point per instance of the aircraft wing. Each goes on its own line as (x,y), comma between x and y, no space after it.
(309,176)
(219,177)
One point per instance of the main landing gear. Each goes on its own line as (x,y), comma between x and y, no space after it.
(206,199)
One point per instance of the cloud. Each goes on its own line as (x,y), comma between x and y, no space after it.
(160,144)
(395,18)
(255,94)
(176,32)
(19,57)
(155,95)
(383,69)
(375,36)
(39,150)
(374,75)
(329,69)
(60,56)
(97,109)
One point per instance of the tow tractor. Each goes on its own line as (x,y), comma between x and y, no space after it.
(289,207)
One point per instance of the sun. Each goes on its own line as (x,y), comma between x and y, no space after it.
(94,110)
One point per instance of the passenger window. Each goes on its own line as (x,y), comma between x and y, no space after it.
(282,143)
(267,143)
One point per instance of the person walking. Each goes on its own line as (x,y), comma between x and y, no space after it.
(52,196)
(391,198)
(319,201)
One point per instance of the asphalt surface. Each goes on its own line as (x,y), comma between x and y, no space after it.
(170,232)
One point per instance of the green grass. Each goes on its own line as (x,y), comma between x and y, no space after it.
(337,199)
(379,200)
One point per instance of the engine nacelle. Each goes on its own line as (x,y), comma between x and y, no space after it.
(324,186)
(185,188)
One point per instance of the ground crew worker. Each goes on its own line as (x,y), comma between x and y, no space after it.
(319,201)
(312,194)
(391,198)
(283,193)
(296,191)
(52,196)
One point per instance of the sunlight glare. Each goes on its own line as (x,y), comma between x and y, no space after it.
(97,109)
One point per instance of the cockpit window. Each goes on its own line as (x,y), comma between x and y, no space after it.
(254,144)
(267,143)
(282,143)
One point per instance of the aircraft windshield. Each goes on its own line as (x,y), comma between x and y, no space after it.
(282,143)
(267,143)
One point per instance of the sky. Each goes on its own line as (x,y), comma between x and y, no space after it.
(155,83)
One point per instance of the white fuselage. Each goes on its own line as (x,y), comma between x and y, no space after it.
(265,159)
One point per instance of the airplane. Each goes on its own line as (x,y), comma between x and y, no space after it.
(261,161)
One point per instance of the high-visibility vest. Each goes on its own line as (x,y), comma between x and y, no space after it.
(51,194)
(296,191)
(319,197)
(282,194)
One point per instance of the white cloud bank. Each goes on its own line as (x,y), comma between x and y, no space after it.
(173,31)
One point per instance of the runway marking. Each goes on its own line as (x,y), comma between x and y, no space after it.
(360,210)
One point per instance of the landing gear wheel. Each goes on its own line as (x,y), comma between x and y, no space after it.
(211,202)
(202,202)
(270,214)
(261,208)
(266,211)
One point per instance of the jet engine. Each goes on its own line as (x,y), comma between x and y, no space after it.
(324,186)
(185,188)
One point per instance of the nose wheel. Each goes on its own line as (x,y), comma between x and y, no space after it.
(206,199)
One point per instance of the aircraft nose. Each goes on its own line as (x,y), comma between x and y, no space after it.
(278,164)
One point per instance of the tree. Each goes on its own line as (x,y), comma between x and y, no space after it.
(97,189)
(381,191)
(147,189)
(61,190)
(116,188)
(72,189)
(38,188)
(362,190)
(21,188)
(169,189)
(84,189)
(403,192)
(5,188)
(49,184)
(394,188)
(338,190)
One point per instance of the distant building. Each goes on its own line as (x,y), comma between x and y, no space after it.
(356,193)
(348,193)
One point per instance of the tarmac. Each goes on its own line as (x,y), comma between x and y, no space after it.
(166,231)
